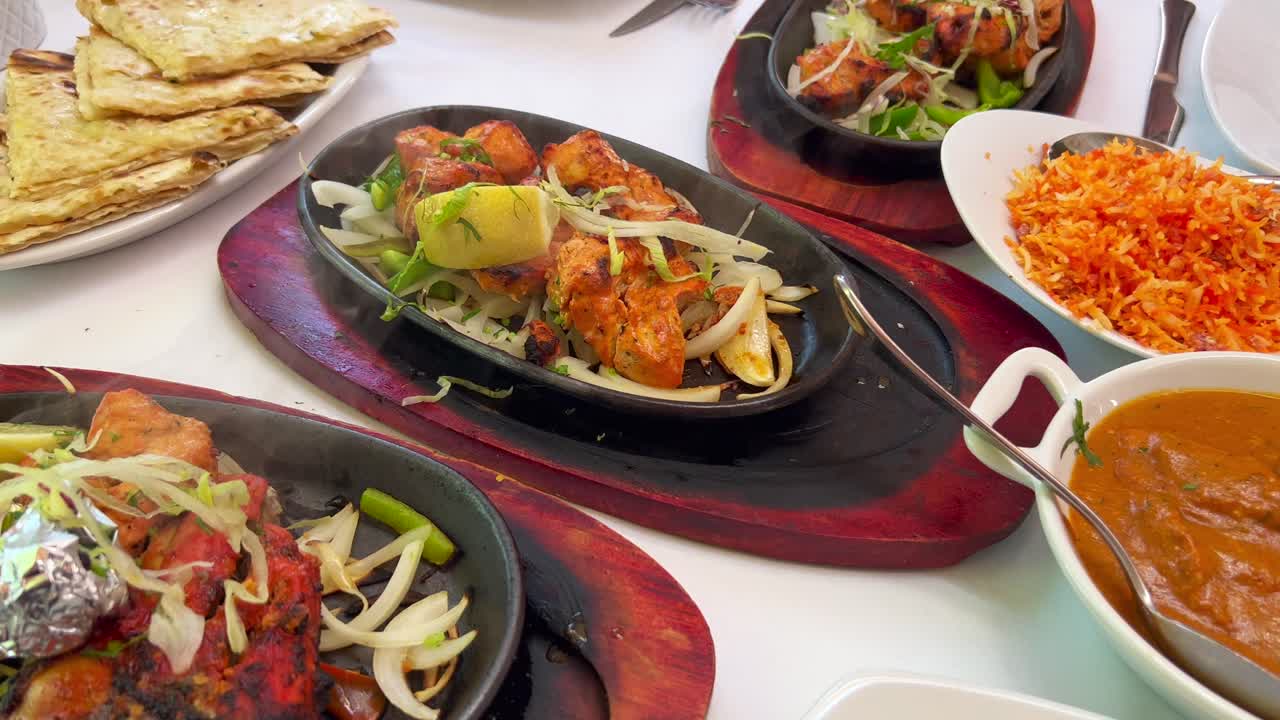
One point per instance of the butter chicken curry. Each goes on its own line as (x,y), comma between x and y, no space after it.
(1189,484)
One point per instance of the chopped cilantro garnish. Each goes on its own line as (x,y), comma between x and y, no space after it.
(894,53)
(1079,429)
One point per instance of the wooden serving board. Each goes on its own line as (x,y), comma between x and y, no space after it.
(644,651)
(754,141)
(870,473)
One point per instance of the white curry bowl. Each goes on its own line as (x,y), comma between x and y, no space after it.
(1220,371)
(979,157)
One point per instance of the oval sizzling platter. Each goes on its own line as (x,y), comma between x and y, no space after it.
(820,338)
(309,463)
(795,35)
(136,227)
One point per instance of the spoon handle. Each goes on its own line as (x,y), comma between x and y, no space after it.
(862,321)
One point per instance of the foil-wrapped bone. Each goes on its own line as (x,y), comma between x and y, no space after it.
(50,592)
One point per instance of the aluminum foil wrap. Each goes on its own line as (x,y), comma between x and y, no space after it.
(49,596)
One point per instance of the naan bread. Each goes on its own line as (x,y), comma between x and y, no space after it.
(26,237)
(113,79)
(364,47)
(24,223)
(188,39)
(53,150)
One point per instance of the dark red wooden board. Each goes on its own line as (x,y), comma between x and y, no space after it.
(753,141)
(948,507)
(647,652)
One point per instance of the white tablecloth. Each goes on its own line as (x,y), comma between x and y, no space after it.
(784,633)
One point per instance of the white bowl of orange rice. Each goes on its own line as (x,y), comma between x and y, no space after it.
(1154,253)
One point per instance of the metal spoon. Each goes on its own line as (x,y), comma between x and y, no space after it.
(1085,142)
(1224,670)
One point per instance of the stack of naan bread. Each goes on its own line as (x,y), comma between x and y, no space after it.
(160,96)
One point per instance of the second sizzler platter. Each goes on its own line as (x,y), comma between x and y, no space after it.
(866,461)
(761,138)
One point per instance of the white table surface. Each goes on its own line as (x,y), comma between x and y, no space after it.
(784,633)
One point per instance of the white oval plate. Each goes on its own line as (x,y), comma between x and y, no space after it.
(1234,69)
(136,227)
(893,696)
(979,156)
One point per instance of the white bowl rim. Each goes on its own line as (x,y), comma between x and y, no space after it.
(1162,674)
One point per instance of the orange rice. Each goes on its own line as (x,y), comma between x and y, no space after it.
(1177,255)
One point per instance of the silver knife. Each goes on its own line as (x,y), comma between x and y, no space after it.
(1164,114)
(652,13)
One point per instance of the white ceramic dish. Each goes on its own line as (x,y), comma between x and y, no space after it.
(979,157)
(22,25)
(896,696)
(1238,70)
(1219,370)
(136,227)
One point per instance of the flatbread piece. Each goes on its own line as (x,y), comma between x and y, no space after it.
(25,223)
(113,79)
(53,150)
(189,39)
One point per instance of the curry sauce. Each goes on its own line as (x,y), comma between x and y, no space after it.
(1190,484)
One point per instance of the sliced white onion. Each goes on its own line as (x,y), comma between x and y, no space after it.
(378,226)
(347,238)
(773,307)
(388,663)
(713,337)
(327,528)
(962,96)
(699,236)
(882,91)
(359,212)
(386,604)
(823,33)
(581,348)
(1033,23)
(736,274)
(1033,66)
(793,80)
(360,568)
(791,293)
(696,313)
(747,223)
(395,636)
(345,536)
(579,370)
(425,658)
(533,312)
(782,349)
(329,193)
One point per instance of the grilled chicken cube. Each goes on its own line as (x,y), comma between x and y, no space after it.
(431,175)
(843,90)
(632,319)
(512,155)
(899,16)
(587,161)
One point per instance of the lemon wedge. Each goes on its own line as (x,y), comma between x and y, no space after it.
(17,440)
(482,226)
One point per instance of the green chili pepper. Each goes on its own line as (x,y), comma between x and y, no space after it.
(392,261)
(886,124)
(994,92)
(950,116)
(437,548)
(384,186)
